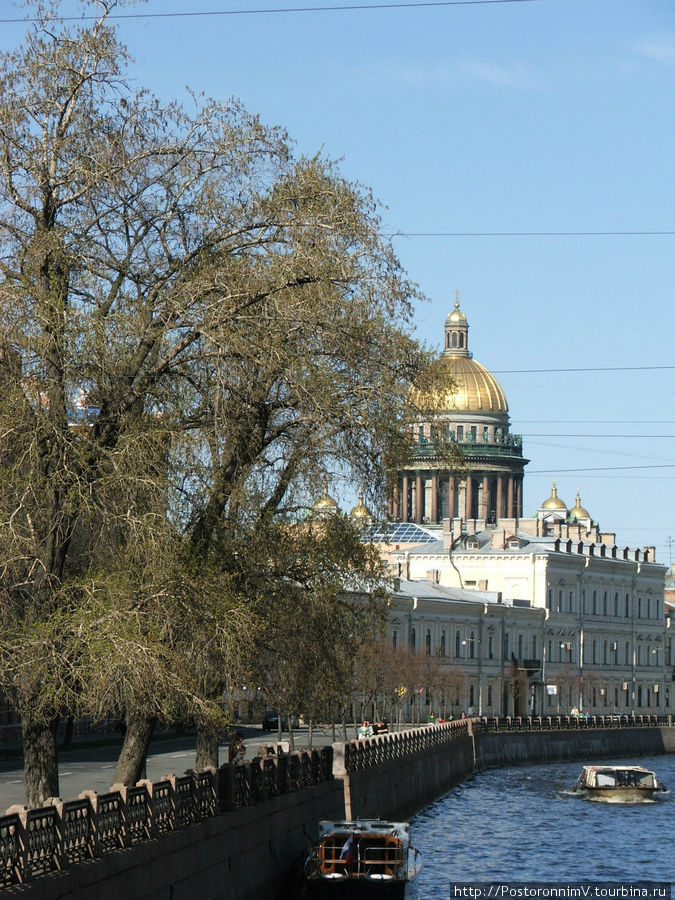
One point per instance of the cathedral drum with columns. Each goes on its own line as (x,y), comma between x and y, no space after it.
(465,463)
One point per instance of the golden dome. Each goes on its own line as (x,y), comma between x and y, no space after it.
(458,383)
(326,503)
(554,502)
(361,511)
(456,316)
(578,512)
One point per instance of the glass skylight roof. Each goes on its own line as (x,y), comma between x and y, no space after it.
(398,533)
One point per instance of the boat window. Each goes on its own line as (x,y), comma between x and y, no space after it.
(605,779)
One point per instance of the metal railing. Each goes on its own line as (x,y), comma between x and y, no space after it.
(34,842)
(568,723)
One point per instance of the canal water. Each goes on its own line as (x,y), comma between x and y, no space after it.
(524,824)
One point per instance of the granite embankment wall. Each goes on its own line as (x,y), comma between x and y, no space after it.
(515,748)
(251,848)
(251,852)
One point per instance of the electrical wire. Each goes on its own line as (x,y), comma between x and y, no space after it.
(351,7)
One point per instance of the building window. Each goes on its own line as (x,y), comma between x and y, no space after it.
(605,610)
(427,642)
(616,604)
(458,644)
(639,612)
(595,652)
(627,653)
(472,690)
(649,607)
(560,601)
(506,646)
(443,642)
(584,604)
(491,650)
(520,646)
(595,603)
(571,599)
(472,645)
(534,646)
(550,599)
(413,639)
(627,613)
(394,640)
(489,695)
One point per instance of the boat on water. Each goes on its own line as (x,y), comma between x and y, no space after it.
(362,859)
(617,784)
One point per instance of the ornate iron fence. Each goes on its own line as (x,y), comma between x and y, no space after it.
(34,842)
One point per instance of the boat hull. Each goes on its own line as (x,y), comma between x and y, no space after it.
(358,889)
(619,795)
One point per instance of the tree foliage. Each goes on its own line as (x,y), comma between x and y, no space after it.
(196,325)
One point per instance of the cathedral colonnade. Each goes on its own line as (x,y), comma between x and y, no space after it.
(433,496)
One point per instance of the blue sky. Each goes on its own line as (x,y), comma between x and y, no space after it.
(513,117)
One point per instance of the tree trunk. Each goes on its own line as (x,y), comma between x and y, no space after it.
(68,733)
(40,760)
(131,763)
(208,738)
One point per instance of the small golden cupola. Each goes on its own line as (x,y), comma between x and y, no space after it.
(578,513)
(553,508)
(326,505)
(361,511)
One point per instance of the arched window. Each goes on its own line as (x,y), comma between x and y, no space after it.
(458,644)
(472,645)
(443,642)
(427,642)
(461,339)
(595,603)
(454,338)
(616,604)
(489,695)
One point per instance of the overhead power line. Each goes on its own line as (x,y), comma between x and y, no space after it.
(597,469)
(526,233)
(261,11)
(595,369)
(586,434)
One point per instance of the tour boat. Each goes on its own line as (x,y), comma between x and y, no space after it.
(362,859)
(617,784)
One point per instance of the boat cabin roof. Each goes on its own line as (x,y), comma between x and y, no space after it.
(400,830)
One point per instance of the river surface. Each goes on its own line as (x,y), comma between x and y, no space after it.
(524,824)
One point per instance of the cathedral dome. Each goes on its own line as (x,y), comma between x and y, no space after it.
(455,381)
(459,383)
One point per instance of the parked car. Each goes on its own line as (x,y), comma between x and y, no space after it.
(270,721)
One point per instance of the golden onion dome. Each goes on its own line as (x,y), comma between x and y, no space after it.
(458,383)
(326,503)
(578,512)
(361,511)
(554,501)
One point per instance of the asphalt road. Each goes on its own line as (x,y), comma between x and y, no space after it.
(92,767)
